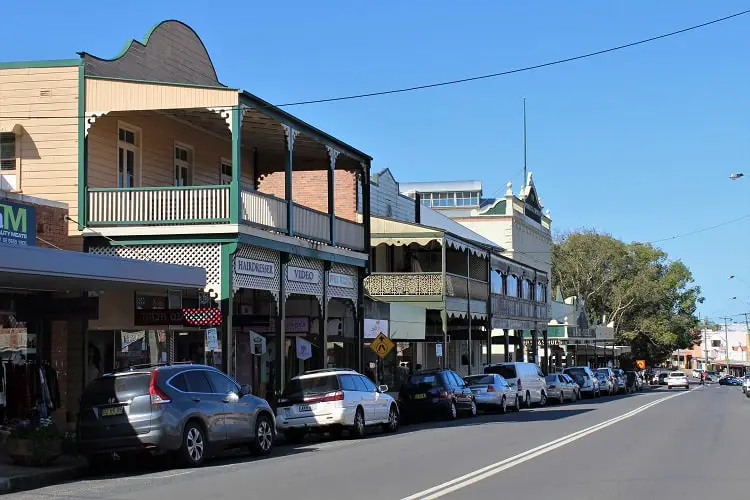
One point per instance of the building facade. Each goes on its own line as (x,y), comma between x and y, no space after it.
(158,160)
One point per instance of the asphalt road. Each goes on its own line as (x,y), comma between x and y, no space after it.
(660,444)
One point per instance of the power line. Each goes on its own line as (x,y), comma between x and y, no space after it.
(517,70)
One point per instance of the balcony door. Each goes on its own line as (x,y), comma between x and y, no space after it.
(128,143)
(182,166)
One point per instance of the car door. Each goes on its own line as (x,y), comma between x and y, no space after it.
(207,404)
(237,410)
(367,398)
(540,381)
(464,395)
(380,403)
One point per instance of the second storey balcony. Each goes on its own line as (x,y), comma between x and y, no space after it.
(165,158)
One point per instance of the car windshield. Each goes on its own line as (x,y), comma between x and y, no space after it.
(302,387)
(576,373)
(551,378)
(479,380)
(506,371)
(602,375)
(676,374)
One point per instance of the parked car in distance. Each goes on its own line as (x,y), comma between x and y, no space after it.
(677,379)
(607,381)
(526,378)
(561,387)
(436,393)
(729,380)
(185,409)
(586,380)
(493,392)
(632,381)
(746,385)
(663,378)
(622,380)
(334,400)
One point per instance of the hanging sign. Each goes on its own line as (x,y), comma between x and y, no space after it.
(17,224)
(304,349)
(253,267)
(374,327)
(257,344)
(341,280)
(303,275)
(439,350)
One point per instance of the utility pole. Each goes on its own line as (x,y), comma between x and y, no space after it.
(524,143)
(747,338)
(726,336)
(705,343)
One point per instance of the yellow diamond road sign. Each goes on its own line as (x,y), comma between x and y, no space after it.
(382,345)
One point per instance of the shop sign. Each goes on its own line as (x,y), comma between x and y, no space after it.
(304,349)
(540,342)
(257,344)
(374,327)
(303,275)
(341,280)
(17,224)
(297,324)
(159,317)
(253,267)
(439,350)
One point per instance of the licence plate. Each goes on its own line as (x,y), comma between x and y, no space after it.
(420,396)
(113,411)
(304,408)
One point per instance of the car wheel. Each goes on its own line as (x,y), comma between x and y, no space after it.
(574,398)
(393,420)
(473,410)
(264,435)
(503,405)
(517,406)
(294,436)
(562,397)
(543,399)
(358,429)
(452,411)
(193,449)
(527,400)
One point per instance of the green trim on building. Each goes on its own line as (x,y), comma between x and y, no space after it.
(556,332)
(227,250)
(52,63)
(171,240)
(301,251)
(234,186)
(497,209)
(83,213)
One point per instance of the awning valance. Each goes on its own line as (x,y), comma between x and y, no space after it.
(462,245)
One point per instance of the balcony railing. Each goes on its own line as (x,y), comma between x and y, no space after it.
(264,210)
(379,284)
(158,206)
(311,223)
(515,307)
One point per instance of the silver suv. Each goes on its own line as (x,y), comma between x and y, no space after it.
(187,410)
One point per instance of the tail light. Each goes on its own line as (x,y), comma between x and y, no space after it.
(443,394)
(326,398)
(519,385)
(490,388)
(158,397)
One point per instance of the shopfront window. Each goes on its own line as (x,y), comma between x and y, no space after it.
(109,351)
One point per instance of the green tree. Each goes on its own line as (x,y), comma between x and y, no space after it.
(650,299)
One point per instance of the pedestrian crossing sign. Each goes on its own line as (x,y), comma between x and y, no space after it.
(382,345)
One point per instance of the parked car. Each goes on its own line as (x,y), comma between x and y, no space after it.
(178,409)
(746,385)
(493,392)
(677,379)
(662,379)
(622,380)
(526,378)
(436,393)
(560,387)
(729,380)
(607,381)
(587,382)
(334,400)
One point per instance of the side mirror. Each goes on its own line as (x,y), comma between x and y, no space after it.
(231,397)
(246,389)
(382,388)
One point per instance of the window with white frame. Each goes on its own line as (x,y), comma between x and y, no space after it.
(128,144)
(226,172)
(182,164)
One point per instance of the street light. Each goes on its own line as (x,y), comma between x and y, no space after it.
(736,176)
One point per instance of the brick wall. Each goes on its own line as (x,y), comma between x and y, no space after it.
(310,188)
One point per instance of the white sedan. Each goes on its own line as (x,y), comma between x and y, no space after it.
(677,379)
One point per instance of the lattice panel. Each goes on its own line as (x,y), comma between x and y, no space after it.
(478,268)
(205,255)
(305,288)
(344,293)
(257,282)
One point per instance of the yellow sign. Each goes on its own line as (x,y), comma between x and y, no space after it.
(382,345)
(641,364)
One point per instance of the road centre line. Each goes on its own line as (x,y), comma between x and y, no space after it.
(490,470)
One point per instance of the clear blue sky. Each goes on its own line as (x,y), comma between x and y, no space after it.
(638,143)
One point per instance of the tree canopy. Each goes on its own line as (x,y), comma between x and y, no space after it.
(651,299)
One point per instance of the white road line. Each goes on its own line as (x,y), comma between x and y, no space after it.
(490,470)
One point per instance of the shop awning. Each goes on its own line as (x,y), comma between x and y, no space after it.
(37,268)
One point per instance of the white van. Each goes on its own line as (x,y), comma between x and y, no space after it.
(527,379)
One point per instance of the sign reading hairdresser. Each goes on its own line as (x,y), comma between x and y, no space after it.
(17,224)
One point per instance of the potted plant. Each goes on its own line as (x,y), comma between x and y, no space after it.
(34,442)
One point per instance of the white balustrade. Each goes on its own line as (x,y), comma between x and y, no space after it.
(264,210)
